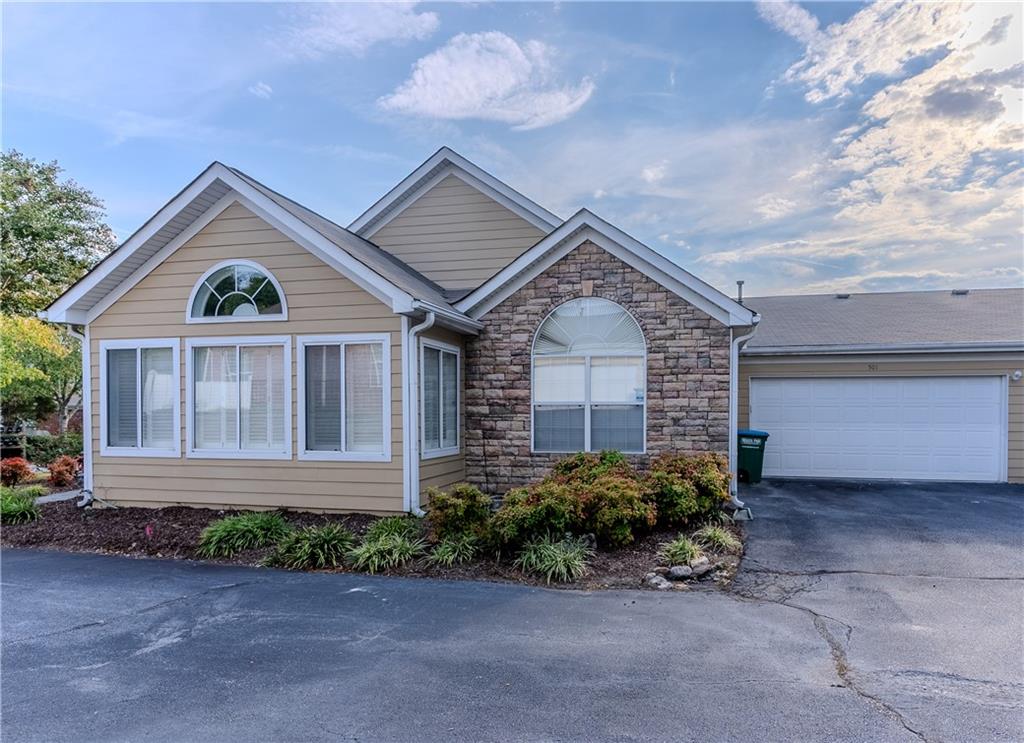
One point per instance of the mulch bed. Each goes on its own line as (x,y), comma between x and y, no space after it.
(173,532)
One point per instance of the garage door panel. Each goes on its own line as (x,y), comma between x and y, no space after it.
(947,428)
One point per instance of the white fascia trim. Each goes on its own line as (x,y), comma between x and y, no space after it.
(457,320)
(585,226)
(137,451)
(451,163)
(283,315)
(285,341)
(881,349)
(384,339)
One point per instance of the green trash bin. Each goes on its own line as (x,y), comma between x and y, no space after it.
(751,454)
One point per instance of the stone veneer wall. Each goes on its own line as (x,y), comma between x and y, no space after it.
(687,369)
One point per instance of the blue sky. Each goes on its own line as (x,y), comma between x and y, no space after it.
(801,147)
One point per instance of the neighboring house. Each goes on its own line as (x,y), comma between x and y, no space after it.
(902,385)
(244,351)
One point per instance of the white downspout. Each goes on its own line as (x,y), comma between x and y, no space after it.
(734,381)
(86,415)
(411,429)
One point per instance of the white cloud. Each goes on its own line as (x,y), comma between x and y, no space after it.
(774,207)
(789,18)
(489,76)
(261,90)
(353,28)
(655,173)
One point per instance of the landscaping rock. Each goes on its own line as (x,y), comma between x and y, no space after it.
(661,571)
(679,572)
(700,566)
(680,586)
(658,582)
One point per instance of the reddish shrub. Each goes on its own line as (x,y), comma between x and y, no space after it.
(63,471)
(14,470)
(616,510)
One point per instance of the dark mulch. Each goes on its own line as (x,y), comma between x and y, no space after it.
(173,532)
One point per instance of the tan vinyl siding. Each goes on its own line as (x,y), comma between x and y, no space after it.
(443,472)
(922,365)
(320,301)
(457,236)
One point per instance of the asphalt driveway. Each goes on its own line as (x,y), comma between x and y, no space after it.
(861,613)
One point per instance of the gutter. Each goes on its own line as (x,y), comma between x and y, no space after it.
(83,337)
(411,406)
(884,348)
(734,380)
(457,319)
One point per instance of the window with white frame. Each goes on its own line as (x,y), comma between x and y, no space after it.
(237,290)
(589,379)
(139,398)
(439,399)
(344,397)
(239,397)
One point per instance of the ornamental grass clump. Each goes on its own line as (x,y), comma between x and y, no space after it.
(680,551)
(718,539)
(386,551)
(455,550)
(555,560)
(395,526)
(17,507)
(312,548)
(228,536)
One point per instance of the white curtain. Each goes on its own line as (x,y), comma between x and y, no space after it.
(261,396)
(559,379)
(364,397)
(216,397)
(159,415)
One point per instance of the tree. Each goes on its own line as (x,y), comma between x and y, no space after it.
(51,232)
(40,371)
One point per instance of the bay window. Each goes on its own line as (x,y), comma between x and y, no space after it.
(345,397)
(589,379)
(439,399)
(239,398)
(139,398)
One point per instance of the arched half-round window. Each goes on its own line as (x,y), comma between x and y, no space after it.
(589,379)
(237,291)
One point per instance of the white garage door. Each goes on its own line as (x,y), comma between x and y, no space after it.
(914,428)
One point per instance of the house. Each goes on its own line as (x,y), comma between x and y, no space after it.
(244,351)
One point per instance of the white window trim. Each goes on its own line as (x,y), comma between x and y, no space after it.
(447,451)
(283,315)
(138,451)
(285,341)
(587,403)
(345,339)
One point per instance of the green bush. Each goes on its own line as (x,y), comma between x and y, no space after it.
(395,526)
(719,539)
(561,560)
(531,513)
(674,496)
(228,536)
(315,547)
(462,510)
(386,552)
(584,469)
(615,510)
(455,549)
(43,449)
(688,487)
(680,551)
(17,506)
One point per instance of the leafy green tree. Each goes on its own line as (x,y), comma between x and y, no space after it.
(40,371)
(51,232)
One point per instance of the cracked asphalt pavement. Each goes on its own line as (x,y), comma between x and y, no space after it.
(861,612)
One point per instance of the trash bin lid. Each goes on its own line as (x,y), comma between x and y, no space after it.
(753,432)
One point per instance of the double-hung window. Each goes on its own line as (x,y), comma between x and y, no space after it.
(239,398)
(439,399)
(139,398)
(345,397)
(589,379)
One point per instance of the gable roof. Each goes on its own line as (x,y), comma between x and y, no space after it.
(981,319)
(437,167)
(195,206)
(587,226)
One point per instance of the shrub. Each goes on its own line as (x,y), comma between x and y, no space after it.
(455,549)
(462,510)
(315,547)
(680,551)
(395,526)
(63,471)
(386,552)
(14,470)
(561,560)
(615,509)
(719,539)
(584,469)
(43,449)
(531,513)
(17,507)
(674,496)
(227,536)
(707,475)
